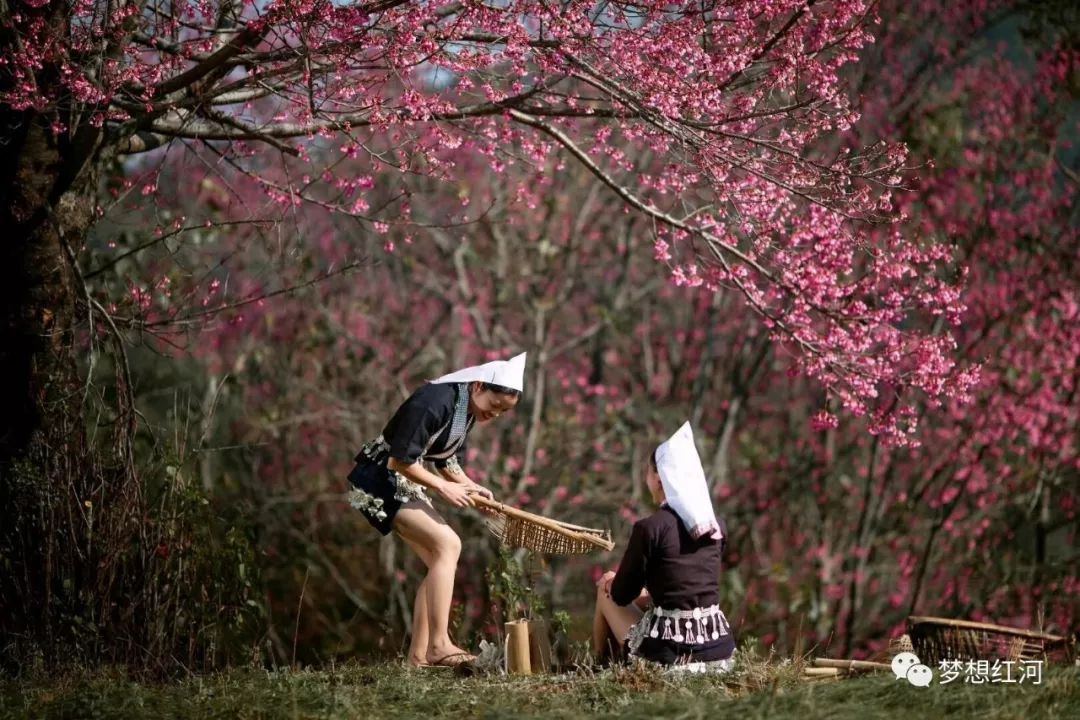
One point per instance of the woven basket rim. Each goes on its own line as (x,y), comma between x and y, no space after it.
(989,627)
(599,539)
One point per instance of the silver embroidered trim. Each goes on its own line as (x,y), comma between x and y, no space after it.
(376,447)
(690,627)
(405,490)
(367,503)
(703,667)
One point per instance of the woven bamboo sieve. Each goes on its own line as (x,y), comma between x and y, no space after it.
(518,528)
(935,639)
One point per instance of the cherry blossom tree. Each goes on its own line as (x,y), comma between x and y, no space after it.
(837,536)
(738,98)
(979,520)
(717,127)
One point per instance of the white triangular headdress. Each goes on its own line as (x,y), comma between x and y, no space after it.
(685,488)
(508,373)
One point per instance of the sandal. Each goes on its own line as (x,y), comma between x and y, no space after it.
(452,660)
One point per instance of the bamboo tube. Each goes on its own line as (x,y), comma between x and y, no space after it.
(517,653)
(850,664)
(821,672)
(542,521)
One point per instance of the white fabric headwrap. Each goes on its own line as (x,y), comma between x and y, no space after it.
(685,488)
(508,373)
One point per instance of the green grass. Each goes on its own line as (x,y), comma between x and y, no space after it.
(761,690)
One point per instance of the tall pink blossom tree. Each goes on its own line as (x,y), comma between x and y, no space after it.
(978,521)
(737,106)
(836,535)
(738,97)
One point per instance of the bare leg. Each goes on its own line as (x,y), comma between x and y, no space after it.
(439,547)
(419,644)
(611,621)
(601,634)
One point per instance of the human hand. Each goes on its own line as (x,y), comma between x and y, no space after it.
(479,490)
(604,583)
(474,489)
(455,494)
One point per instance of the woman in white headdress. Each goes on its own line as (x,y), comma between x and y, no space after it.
(391,484)
(662,604)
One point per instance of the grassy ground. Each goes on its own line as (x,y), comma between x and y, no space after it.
(762,690)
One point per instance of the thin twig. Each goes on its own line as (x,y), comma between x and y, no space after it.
(299,608)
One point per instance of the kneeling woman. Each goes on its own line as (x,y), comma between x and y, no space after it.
(663,600)
(390,484)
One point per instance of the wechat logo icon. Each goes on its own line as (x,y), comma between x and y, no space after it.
(906,665)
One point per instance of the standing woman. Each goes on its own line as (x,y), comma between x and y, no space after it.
(391,484)
(664,600)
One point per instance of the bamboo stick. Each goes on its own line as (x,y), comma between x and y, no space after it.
(568,526)
(821,678)
(850,665)
(821,672)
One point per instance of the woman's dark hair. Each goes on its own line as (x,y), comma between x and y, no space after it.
(652,460)
(500,389)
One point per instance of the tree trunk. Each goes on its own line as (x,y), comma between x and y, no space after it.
(37,352)
(46,208)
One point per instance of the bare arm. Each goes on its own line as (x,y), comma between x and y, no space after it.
(454,473)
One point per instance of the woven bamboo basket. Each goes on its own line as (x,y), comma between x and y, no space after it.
(935,639)
(518,528)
